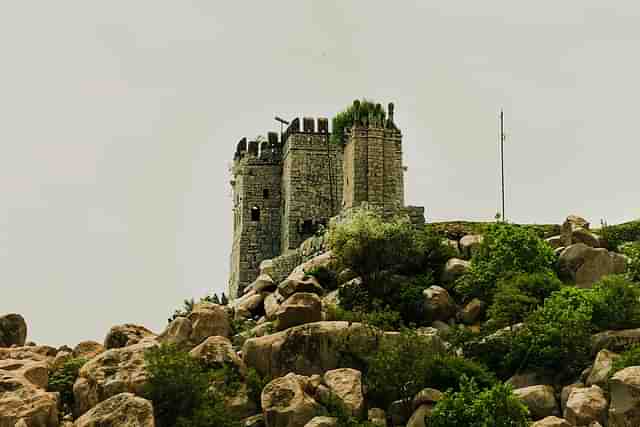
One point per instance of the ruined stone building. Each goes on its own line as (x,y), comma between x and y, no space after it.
(287,186)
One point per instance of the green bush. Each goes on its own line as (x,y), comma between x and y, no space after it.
(61,380)
(630,357)
(345,119)
(518,295)
(615,235)
(474,407)
(616,303)
(506,249)
(386,320)
(400,369)
(327,277)
(180,388)
(555,336)
(632,250)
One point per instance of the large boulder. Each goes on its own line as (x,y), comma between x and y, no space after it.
(291,286)
(551,422)
(124,335)
(470,244)
(322,422)
(298,309)
(13,330)
(346,385)
(177,333)
(313,348)
(115,371)
(599,374)
(21,400)
(419,415)
(124,409)
(285,403)
(472,311)
(454,268)
(616,341)
(585,265)
(208,319)
(586,405)
(88,349)
(624,388)
(540,399)
(272,305)
(438,304)
(34,371)
(218,351)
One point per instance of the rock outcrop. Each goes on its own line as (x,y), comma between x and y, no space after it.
(624,388)
(13,330)
(586,405)
(286,404)
(125,335)
(585,265)
(124,409)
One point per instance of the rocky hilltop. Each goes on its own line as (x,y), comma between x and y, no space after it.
(382,323)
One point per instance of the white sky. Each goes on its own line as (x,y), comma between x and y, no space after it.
(118,120)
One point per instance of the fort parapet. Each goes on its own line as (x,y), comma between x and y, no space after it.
(287,186)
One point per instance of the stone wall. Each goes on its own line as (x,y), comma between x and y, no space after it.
(257,218)
(311,185)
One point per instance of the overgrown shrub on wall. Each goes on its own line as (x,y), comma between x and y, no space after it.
(345,119)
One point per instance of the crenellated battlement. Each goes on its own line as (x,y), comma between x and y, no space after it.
(284,186)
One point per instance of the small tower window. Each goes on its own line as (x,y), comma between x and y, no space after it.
(265,194)
(255,213)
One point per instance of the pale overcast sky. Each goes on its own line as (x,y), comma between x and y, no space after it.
(118,121)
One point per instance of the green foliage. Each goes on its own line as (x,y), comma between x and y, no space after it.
(327,277)
(616,303)
(345,119)
(455,230)
(615,235)
(402,367)
(255,384)
(396,261)
(506,249)
(184,391)
(518,295)
(474,407)
(61,380)
(333,407)
(632,250)
(630,357)
(386,320)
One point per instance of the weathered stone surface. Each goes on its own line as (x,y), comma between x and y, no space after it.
(454,268)
(115,371)
(586,405)
(88,349)
(566,392)
(264,283)
(307,349)
(472,311)
(345,275)
(298,309)
(253,421)
(124,335)
(616,341)
(530,378)
(34,371)
(322,422)
(438,304)
(307,284)
(178,332)
(551,422)
(601,368)
(585,265)
(249,304)
(419,415)
(377,416)
(581,235)
(208,319)
(285,403)
(346,385)
(272,304)
(540,400)
(555,242)
(124,409)
(13,330)
(427,396)
(22,400)
(624,388)
(218,350)
(469,244)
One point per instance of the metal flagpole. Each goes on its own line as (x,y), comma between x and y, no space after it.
(502,159)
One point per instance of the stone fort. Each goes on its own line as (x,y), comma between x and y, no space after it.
(287,186)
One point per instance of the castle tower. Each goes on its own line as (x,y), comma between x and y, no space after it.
(256,191)
(311,180)
(372,165)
